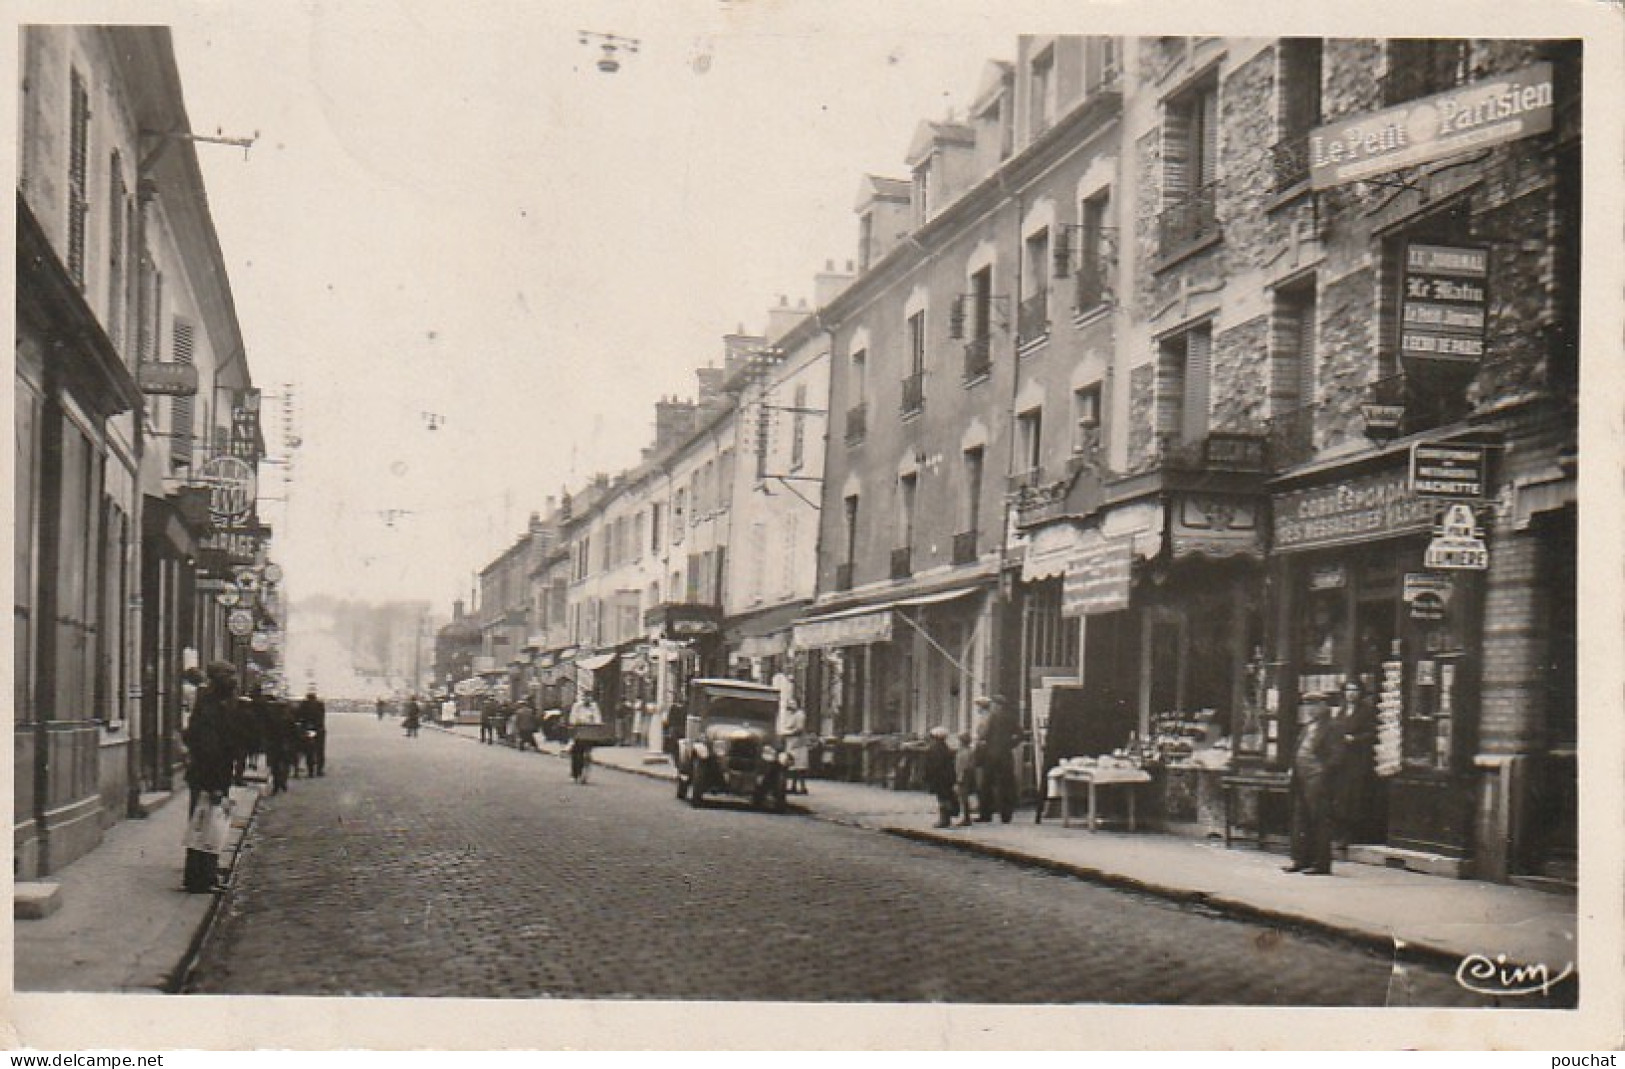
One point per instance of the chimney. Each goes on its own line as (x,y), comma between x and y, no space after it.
(828,283)
(457,611)
(782,318)
(711,380)
(674,422)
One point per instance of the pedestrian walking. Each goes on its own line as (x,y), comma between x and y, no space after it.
(965,776)
(281,742)
(939,777)
(672,730)
(584,714)
(1314,776)
(383,707)
(793,737)
(488,714)
(209,766)
(414,716)
(524,726)
(997,761)
(313,720)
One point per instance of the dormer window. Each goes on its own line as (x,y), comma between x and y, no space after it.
(1041,92)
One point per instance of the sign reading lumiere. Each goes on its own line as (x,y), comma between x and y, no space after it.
(1489,112)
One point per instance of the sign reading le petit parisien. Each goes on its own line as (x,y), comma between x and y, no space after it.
(1489,112)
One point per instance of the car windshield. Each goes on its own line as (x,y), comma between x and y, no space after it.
(742,709)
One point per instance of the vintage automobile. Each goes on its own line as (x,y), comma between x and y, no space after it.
(730,744)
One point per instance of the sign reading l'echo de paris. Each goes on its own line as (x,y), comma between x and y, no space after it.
(1488,112)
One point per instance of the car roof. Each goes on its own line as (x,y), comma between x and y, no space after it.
(742,686)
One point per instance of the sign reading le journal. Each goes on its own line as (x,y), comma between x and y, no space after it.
(1473,116)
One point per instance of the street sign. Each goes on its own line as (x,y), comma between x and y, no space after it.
(166,379)
(1491,111)
(231,486)
(1456,472)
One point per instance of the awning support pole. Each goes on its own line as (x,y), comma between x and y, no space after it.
(934,644)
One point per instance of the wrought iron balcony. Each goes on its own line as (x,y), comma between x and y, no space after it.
(914,393)
(1094,270)
(857,423)
(843,576)
(978,358)
(1291,160)
(965,547)
(1032,319)
(1188,220)
(902,562)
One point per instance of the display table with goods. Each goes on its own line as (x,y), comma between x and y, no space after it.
(1090,774)
(1188,757)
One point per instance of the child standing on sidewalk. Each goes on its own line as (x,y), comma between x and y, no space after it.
(939,776)
(965,776)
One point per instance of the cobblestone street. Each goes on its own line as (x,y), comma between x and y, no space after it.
(436,866)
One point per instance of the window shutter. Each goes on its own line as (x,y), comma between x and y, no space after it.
(1306,350)
(78,176)
(1207,104)
(1198,359)
(184,343)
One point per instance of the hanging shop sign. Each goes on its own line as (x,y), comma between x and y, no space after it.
(1456,472)
(1357,510)
(859,630)
(1426,596)
(1469,117)
(1446,303)
(166,379)
(240,623)
(1099,579)
(232,487)
(243,442)
(1458,545)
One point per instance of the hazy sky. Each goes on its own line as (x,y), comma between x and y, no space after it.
(450,210)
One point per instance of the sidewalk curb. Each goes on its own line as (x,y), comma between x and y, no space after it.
(1238,908)
(181,975)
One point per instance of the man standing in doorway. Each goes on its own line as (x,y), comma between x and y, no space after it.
(997,752)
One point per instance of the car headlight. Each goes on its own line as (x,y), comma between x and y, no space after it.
(701,751)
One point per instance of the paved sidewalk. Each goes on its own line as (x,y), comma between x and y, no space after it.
(1443,918)
(124,923)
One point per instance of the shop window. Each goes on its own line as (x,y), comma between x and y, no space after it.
(1183,365)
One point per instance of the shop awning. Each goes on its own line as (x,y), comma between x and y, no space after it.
(597,661)
(866,624)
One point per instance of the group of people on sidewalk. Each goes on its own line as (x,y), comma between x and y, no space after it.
(224,736)
(982,766)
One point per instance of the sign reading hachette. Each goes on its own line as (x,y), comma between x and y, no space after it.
(1356,510)
(1473,116)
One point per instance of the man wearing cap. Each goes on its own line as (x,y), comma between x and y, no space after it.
(1314,772)
(997,750)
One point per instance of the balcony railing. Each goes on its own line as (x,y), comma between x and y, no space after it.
(857,423)
(978,358)
(965,547)
(843,576)
(1291,160)
(1093,281)
(1032,318)
(1188,220)
(914,393)
(902,562)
